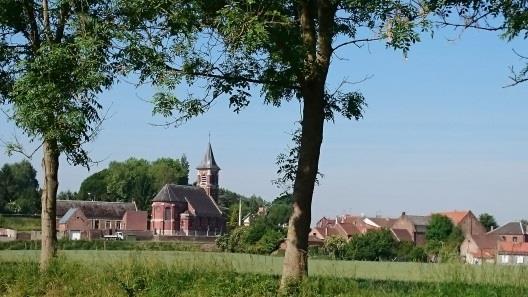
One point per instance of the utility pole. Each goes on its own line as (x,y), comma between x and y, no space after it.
(239,211)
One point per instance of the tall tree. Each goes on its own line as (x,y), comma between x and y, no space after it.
(54,60)
(488,221)
(282,49)
(19,188)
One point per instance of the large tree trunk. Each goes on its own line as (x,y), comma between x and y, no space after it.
(295,266)
(50,166)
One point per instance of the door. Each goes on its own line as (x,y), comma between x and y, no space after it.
(75,235)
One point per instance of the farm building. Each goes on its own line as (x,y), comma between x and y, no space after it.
(78,219)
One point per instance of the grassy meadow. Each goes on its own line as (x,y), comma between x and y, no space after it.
(159,273)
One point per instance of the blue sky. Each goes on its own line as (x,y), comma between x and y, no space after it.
(440,133)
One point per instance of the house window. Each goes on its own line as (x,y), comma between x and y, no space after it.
(166,215)
(520,259)
(108,225)
(96,224)
(505,259)
(118,225)
(514,239)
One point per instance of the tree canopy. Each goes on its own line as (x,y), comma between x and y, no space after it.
(135,180)
(488,221)
(19,189)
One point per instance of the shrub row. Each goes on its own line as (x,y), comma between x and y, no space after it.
(103,245)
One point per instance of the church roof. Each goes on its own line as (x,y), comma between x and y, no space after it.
(208,161)
(196,197)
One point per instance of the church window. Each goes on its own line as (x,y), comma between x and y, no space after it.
(166,215)
(203,179)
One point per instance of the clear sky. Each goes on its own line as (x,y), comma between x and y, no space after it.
(440,133)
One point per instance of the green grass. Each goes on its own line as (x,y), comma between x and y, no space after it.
(112,245)
(20,223)
(268,265)
(148,275)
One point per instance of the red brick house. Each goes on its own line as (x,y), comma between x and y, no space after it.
(466,221)
(479,248)
(190,210)
(79,219)
(511,232)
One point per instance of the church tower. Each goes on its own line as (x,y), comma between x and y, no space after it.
(208,174)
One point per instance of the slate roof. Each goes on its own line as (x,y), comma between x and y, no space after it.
(96,209)
(196,197)
(66,217)
(511,228)
(208,161)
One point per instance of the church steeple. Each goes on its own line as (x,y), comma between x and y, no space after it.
(208,174)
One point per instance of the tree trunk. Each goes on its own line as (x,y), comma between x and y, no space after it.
(295,266)
(50,166)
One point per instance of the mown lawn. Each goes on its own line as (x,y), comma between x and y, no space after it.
(269,265)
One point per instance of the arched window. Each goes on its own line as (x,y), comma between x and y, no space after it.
(166,215)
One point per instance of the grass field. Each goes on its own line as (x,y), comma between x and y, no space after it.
(268,265)
(20,223)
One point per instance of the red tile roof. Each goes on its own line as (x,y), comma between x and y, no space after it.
(513,248)
(456,216)
(347,229)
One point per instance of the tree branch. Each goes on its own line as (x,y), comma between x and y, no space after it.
(356,41)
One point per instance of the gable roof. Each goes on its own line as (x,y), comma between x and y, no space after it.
(419,220)
(96,209)
(511,228)
(66,217)
(485,241)
(383,222)
(196,197)
(347,229)
(208,161)
(401,235)
(456,216)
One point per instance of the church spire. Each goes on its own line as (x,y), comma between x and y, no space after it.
(208,174)
(208,161)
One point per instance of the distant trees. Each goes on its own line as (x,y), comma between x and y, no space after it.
(135,180)
(19,189)
(488,221)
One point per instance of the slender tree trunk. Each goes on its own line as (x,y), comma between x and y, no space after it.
(317,41)
(50,166)
(295,266)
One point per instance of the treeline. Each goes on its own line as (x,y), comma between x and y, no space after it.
(19,189)
(136,180)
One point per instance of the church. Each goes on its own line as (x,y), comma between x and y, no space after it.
(190,210)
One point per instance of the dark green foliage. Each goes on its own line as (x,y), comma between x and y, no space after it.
(372,246)
(335,247)
(19,189)
(443,239)
(104,245)
(135,180)
(488,221)
(408,252)
(439,228)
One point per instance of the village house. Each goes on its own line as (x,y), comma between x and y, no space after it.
(415,226)
(466,221)
(478,248)
(512,253)
(513,232)
(77,219)
(190,210)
